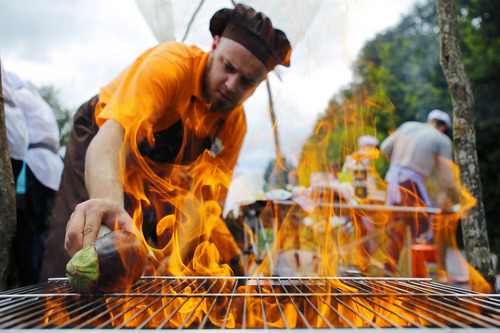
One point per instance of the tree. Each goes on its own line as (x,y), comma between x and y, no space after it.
(474,225)
(63,115)
(7,198)
(479,22)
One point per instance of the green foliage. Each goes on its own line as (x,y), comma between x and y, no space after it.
(398,77)
(404,64)
(277,173)
(63,115)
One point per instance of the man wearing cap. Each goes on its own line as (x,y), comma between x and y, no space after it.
(361,165)
(367,152)
(173,106)
(415,152)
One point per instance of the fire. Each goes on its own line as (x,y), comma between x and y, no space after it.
(329,230)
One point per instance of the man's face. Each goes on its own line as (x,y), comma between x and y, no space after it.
(231,75)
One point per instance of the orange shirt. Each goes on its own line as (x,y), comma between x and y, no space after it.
(163,86)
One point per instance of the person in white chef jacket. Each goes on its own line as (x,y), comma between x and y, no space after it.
(17,131)
(43,174)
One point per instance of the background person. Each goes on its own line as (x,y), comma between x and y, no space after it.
(416,151)
(360,165)
(42,177)
(17,130)
(173,104)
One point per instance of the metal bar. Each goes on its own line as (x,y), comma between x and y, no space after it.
(92,308)
(446,305)
(244,322)
(351,324)
(116,316)
(161,308)
(465,314)
(377,313)
(229,305)
(311,304)
(144,323)
(109,310)
(29,314)
(181,305)
(370,207)
(369,302)
(475,303)
(420,315)
(281,310)
(172,313)
(485,304)
(264,320)
(198,304)
(17,305)
(433,311)
(205,318)
(138,313)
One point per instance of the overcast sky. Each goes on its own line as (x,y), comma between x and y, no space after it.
(80,45)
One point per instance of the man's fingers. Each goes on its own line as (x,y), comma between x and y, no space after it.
(117,218)
(83,227)
(91,229)
(74,237)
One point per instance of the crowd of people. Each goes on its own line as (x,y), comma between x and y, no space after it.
(162,114)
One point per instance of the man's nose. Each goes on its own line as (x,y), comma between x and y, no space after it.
(232,83)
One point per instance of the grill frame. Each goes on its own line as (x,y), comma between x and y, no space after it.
(22,308)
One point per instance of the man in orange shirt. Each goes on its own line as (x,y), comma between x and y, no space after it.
(172,108)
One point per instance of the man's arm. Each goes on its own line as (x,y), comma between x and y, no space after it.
(104,167)
(104,163)
(448,174)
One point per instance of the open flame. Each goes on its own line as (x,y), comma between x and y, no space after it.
(329,230)
(338,235)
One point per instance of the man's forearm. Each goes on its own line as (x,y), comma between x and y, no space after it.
(104,163)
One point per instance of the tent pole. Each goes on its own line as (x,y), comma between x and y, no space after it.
(192,20)
(279,168)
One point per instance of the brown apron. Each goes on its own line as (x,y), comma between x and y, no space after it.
(72,189)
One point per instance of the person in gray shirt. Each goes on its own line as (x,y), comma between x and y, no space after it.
(417,151)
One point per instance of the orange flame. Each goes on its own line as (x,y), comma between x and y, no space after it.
(342,233)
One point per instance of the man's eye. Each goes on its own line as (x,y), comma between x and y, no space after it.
(228,67)
(247,83)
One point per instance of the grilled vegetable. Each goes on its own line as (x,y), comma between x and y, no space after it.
(113,262)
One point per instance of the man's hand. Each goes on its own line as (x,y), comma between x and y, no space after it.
(83,225)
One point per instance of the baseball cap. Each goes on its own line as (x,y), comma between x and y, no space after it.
(440,115)
(367,140)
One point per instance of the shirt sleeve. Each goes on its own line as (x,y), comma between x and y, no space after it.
(445,148)
(143,91)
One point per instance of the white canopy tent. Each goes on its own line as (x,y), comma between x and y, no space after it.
(170,19)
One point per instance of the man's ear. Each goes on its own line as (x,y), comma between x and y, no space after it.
(215,44)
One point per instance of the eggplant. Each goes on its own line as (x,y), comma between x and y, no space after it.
(113,262)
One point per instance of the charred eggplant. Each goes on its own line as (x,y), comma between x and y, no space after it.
(113,262)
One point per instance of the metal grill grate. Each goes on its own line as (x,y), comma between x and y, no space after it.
(253,303)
